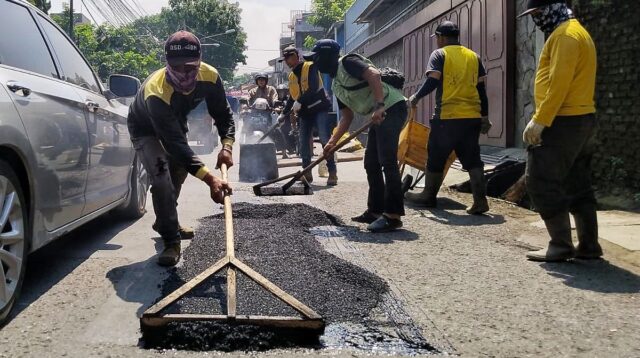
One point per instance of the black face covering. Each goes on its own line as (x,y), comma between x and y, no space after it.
(551,16)
(327,63)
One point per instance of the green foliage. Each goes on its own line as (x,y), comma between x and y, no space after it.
(241,79)
(119,50)
(309,41)
(210,17)
(44,5)
(327,12)
(137,49)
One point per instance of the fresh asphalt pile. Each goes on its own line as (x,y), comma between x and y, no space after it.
(275,241)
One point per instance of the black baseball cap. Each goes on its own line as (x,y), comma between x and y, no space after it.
(323,47)
(182,48)
(532,5)
(288,51)
(447,28)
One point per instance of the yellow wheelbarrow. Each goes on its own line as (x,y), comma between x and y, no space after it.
(413,151)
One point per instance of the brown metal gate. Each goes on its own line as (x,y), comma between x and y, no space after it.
(487,27)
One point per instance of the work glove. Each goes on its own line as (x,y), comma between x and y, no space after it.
(218,188)
(533,133)
(225,157)
(281,118)
(485,125)
(297,106)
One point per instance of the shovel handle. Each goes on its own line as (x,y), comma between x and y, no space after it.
(336,148)
(228,215)
(297,175)
(269,131)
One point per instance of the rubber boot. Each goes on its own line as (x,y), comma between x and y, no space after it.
(479,190)
(560,247)
(170,256)
(428,197)
(333,179)
(587,228)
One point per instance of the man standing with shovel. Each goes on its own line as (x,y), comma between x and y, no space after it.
(158,126)
(358,86)
(561,134)
(310,103)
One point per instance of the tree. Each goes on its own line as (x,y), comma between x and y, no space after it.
(44,5)
(210,17)
(328,12)
(309,41)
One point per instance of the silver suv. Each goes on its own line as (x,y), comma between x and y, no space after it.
(65,152)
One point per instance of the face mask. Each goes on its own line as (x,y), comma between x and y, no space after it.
(327,64)
(183,82)
(549,17)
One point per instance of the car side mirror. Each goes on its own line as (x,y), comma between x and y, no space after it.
(123,86)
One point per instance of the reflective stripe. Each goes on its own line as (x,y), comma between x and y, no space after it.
(202,172)
(295,83)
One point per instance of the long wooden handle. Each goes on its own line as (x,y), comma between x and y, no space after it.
(228,226)
(228,215)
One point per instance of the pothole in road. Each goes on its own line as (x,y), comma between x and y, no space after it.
(284,242)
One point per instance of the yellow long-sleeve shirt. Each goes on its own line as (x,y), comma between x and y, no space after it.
(566,77)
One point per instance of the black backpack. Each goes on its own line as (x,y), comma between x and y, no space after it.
(392,77)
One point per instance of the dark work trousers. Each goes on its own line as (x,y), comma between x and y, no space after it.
(558,174)
(381,157)
(306,123)
(166,178)
(459,135)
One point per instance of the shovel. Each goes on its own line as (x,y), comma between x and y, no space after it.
(257,189)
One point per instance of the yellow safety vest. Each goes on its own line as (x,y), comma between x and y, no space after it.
(460,98)
(295,84)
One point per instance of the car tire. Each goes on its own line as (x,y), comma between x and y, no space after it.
(15,238)
(135,207)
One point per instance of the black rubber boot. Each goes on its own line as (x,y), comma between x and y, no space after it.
(587,228)
(428,197)
(479,190)
(560,247)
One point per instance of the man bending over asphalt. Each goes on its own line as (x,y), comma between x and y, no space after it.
(158,126)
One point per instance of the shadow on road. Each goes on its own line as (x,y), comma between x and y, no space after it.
(442,216)
(353,233)
(598,276)
(52,263)
(137,282)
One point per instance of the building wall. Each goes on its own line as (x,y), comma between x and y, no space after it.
(528,47)
(614,26)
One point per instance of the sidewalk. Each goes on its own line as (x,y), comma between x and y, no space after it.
(619,229)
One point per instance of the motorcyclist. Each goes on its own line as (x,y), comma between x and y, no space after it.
(263,91)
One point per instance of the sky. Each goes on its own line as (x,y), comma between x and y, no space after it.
(261,19)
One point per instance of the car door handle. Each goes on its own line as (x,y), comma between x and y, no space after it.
(92,106)
(18,88)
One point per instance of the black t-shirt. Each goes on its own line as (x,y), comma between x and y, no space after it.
(355,67)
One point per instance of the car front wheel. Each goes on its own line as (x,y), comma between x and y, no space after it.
(135,206)
(14,239)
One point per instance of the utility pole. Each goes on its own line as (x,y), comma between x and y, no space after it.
(71,21)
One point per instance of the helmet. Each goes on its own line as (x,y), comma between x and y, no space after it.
(261,75)
(261,104)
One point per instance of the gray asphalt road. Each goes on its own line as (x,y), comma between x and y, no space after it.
(463,280)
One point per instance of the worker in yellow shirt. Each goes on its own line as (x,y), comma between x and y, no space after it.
(561,134)
(458,76)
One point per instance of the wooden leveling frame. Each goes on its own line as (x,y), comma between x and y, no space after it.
(153,317)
